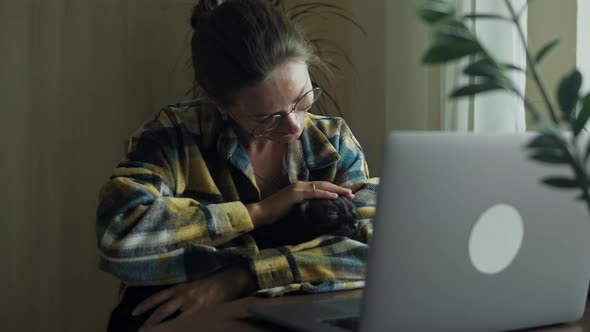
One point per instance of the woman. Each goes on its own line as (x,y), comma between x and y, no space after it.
(179,211)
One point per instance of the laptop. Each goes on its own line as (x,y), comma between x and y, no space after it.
(466,238)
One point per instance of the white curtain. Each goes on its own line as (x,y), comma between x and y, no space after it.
(492,111)
(76,77)
(583,42)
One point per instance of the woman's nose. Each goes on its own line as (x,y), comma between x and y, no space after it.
(292,122)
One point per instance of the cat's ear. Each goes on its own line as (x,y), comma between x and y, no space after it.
(302,208)
(305,204)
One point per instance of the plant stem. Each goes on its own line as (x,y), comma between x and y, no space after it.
(531,65)
(528,106)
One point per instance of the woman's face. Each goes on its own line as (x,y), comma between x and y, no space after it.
(275,108)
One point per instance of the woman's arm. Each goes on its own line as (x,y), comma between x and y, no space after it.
(146,231)
(329,262)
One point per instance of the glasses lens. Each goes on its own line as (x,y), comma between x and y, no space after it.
(307,100)
(300,108)
(266,126)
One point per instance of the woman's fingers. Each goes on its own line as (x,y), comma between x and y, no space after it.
(164,311)
(153,301)
(277,205)
(317,192)
(324,189)
(191,307)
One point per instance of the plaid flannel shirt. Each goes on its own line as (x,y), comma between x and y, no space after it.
(183,186)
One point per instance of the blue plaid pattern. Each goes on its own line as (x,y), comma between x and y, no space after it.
(181,190)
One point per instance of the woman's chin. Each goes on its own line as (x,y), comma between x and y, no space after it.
(285,138)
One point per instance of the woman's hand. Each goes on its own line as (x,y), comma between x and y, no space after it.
(188,297)
(277,205)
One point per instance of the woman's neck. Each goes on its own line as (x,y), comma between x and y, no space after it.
(266,158)
(258,146)
(255,145)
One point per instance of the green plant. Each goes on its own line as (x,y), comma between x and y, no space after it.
(453,40)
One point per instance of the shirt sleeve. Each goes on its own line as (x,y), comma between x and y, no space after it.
(146,231)
(353,173)
(327,263)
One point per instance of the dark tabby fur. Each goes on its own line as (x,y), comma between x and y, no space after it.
(306,221)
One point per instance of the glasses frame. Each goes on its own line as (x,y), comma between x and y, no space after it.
(280,116)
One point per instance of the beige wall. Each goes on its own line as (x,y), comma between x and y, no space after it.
(369,54)
(76,78)
(392,90)
(583,42)
(548,20)
(335,32)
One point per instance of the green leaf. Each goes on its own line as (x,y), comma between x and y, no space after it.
(490,70)
(583,117)
(452,40)
(485,68)
(433,11)
(545,141)
(513,67)
(452,30)
(587,152)
(472,89)
(549,127)
(567,92)
(441,53)
(550,156)
(545,49)
(486,16)
(561,182)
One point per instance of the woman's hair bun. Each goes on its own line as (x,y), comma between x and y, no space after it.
(201,10)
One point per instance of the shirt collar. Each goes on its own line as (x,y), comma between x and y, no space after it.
(318,151)
(312,150)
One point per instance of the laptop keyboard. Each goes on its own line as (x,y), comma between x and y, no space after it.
(348,323)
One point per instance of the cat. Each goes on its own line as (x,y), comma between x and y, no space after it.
(308,220)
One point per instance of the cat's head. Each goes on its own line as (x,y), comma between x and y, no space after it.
(340,210)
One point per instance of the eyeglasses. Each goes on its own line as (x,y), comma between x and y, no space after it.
(271,122)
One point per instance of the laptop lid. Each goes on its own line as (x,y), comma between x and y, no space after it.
(467,238)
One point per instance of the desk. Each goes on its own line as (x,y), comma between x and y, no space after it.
(233,316)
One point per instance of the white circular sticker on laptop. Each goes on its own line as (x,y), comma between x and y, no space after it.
(496,238)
